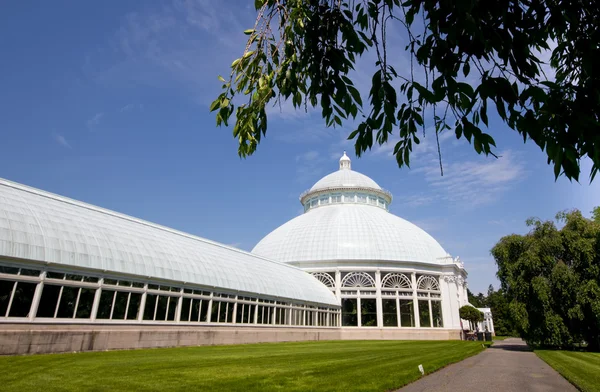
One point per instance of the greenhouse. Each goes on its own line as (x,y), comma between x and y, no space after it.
(387,272)
(64,261)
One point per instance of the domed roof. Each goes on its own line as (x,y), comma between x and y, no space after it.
(345,178)
(350,232)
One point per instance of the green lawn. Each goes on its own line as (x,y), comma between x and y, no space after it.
(580,368)
(500,337)
(318,366)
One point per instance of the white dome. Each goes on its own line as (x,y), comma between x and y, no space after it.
(345,179)
(350,232)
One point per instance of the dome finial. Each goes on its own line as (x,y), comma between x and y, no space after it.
(345,162)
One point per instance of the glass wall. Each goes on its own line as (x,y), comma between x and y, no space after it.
(46,295)
(403,304)
(349,312)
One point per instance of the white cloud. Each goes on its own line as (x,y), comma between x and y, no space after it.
(94,121)
(183,44)
(474,183)
(60,139)
(309,166)
(132,106)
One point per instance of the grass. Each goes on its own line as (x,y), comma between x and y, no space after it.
(500,337)
(580,368)
(318,366)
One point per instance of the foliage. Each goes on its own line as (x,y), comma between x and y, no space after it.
(596,214)
(464,58)
(498,304)
(470,314)
(308,366)
(581,369)
(479,300)
(552,279)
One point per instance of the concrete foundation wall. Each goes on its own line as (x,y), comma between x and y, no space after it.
(51,338)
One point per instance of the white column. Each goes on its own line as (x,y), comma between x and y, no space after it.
(96,302)
(413,279)
(234,318)
(140,316)
(255,321)
(448,303)
(179,306)
(378,302)
(358,310)
(398,309)
(338,284)
(209,309)
(37,295)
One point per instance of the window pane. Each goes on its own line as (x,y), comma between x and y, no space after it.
(172,302)
(229,313)
(74,277)
(29,272)
(106,298)
(149,308)
(349,312)
(66,309)
(214,312)
(120,305)
(6,288)
(249,313)
(436,311)
(185,309)
(48,301)
(196,316)
(203,310)
(86,301)
(134,306)
(390,316)
(161,310)
(8,270)
(21,303)
(424,314)
(55,275)
(368,314)
(407,318)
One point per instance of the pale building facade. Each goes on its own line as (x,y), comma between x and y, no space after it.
(387,272)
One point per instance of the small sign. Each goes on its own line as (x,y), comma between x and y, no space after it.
(422,370)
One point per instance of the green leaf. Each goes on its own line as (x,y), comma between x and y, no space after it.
(216,104)
(355,94)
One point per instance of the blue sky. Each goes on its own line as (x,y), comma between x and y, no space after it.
(108,104)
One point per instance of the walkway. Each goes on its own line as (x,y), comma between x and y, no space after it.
(507,366)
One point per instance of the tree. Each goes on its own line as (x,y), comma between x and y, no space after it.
(471,314)
(596,214)
(465,57)
(498,304)
(551,278)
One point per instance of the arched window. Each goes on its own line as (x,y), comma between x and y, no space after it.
(324,278)
(358,279)
(428,282)
(396,281)
(430,304)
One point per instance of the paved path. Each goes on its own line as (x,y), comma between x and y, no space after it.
(507,366)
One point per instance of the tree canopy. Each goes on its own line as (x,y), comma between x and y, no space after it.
(497,301)
(465,59)
(551,278)
(470,314)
